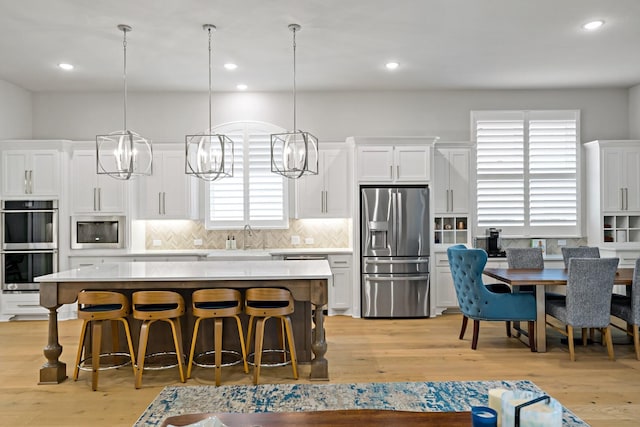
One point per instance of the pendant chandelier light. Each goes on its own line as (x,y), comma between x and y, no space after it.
(209,156)
(123,154)
(294,154)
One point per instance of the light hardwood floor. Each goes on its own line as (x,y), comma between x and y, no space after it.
(602,392)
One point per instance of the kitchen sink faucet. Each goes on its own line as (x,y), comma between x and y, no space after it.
(249,230)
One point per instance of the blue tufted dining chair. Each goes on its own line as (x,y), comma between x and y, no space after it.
(499,288)
(479,303)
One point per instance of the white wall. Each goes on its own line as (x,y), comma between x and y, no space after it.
(634,112)
(15,112)
(332,116)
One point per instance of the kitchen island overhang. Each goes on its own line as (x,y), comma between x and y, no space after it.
(307,280)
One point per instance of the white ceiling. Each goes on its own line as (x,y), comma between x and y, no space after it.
(343,44)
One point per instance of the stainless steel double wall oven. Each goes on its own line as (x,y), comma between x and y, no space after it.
(29,236)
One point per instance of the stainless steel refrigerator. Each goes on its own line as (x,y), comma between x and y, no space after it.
(394,237)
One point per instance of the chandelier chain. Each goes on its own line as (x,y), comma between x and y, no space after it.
(124,77)
(294,79)
(210,112)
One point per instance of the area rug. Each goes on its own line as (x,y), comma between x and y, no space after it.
(403,396)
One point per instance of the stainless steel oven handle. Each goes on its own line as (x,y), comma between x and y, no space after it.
(10,211)
(29,251)
(398,261)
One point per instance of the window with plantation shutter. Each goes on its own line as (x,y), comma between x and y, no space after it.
(527,172)
(254,195)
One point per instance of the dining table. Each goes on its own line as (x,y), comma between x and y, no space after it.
(541,279)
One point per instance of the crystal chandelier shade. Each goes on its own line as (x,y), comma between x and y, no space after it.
(209,156)
(294,154)
(124,154)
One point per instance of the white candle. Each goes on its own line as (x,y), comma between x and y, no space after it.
(495,402)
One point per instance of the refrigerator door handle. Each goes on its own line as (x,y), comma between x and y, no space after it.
(394,221)
(398,261)
(395,278)
(399,217)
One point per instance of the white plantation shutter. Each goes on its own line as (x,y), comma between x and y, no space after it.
(254,195)
(527,172)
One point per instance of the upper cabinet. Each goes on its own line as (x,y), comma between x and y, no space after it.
(31,170)
(93,193)
(613,192)
(169,193)
(451,180)
(326,195)
(394,160)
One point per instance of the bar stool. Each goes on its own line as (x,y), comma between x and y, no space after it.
(96,307)
(217,304)
(262,304)
(150,306)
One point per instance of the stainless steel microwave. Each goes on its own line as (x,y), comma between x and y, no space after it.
(91,232)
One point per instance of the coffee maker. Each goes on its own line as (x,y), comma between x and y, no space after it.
(494,244)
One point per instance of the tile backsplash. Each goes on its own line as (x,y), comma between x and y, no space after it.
(182,234)
(552,244)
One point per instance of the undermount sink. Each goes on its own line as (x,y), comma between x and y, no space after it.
(239,254)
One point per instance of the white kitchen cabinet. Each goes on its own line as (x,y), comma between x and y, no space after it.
(328,194)
(22,305)
(341,289)
(445,292)
(394,163)
(613,193)
(93,193)
(169,193)
(451,180)
(31,173)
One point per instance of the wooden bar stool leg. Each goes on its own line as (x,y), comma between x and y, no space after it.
(142,350)
(115,336)
(242,345)
(217,338)
(292,347)
(127,333)
(96,340)
(258,348)
(250,334)
(177,342)
(193,345)
(83,334)
(281,339)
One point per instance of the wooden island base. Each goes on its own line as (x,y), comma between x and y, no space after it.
(310,295)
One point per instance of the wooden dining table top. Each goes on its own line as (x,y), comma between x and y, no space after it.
(547,276)
(338,418)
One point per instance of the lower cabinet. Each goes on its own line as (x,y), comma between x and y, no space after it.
(341,288)
(22,305)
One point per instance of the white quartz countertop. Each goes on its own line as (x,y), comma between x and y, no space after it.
(211,253)
(193,270)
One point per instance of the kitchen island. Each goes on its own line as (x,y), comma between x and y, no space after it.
(307,281)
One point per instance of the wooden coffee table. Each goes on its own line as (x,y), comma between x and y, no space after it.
(368,417)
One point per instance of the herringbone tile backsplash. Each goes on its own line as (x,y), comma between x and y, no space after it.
(326,233)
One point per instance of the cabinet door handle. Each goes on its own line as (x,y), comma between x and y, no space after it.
(451,196)
(159,203)
(95,198)
(31,181)
(447,200)
(99,198)
(326,202)
(26,182)
(391,171)
(397,171)
(626,199)
(621,198)
(164,203)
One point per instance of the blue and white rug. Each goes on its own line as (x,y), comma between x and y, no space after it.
(403,396)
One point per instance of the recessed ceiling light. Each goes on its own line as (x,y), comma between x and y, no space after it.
(392,65)
(229,66)
(593,25)
(242,86)
(66,67)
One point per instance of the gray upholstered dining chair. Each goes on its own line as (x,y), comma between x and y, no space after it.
(525,258)
(588,301)
(627,308)
(579,252)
